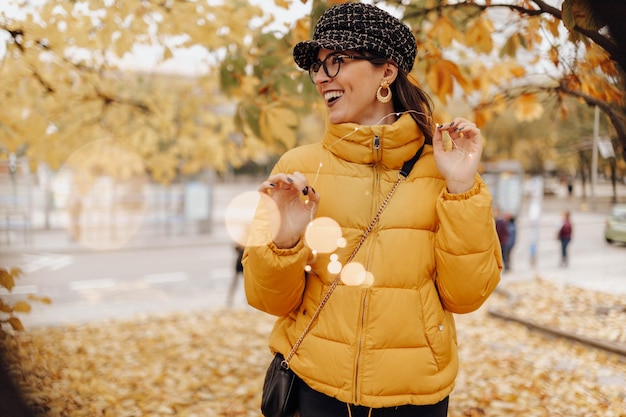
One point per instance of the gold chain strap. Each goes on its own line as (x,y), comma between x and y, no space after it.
(333,285)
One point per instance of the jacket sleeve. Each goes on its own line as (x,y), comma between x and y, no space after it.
(467,249)
(274,278)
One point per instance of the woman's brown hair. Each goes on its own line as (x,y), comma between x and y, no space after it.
(407,96)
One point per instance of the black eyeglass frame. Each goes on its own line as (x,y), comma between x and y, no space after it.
(315,67)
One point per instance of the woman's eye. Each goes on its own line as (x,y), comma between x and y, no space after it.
(335,60)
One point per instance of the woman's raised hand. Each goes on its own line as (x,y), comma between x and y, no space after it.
(294,206)
(458,160)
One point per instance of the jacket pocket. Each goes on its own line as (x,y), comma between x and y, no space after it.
(313,294)
(438,326)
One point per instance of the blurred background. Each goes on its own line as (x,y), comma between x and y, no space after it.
(118,115)
(133,132)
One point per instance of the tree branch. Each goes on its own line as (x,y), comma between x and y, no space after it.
(616,118)
(604,42)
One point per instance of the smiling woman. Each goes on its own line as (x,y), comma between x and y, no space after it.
(403,221)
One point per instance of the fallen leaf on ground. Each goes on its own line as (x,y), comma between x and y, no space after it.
(212,363)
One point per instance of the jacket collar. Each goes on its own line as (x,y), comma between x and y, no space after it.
(356,143)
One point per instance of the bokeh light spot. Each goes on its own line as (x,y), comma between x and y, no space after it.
(103,186)
(353,274)
(239,214)
(334,267)
(368,280)
(322,234)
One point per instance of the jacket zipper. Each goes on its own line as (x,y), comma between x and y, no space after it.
(364,304)
(358,354)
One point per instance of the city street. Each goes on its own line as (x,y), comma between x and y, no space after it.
(97,285)
(183,273)
(216,358)
(594,264)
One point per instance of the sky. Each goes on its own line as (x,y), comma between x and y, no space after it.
(191,61)
(194,60)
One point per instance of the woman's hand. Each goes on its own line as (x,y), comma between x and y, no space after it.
(458,163)
(294,206)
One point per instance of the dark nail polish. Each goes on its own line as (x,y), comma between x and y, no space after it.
(451,124)
(272,184)
(313,189)
(289,180)
(305,190)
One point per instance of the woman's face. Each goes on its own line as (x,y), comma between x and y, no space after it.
(350,96)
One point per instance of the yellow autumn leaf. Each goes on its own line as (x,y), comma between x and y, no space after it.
(248,84)
(191,167)
(527,108)
(162,167)
(532,34)
(16,324)
(498,103)
(5,308)
(511,45)
(482,116)
(277,124)
(446,140)
(285,4)
(22,307)
(553,24)
(40,299)
(553,54)
(121,46)
(441,78)
(145,140)
(444,31)
(504,72)
(6,280)
(597,56)
(301,31)
(478,36)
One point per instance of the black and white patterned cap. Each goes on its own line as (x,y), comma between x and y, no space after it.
(357,26)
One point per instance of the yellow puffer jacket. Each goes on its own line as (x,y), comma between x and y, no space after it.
(431,254)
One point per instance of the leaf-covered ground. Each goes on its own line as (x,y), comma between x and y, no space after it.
(212,363)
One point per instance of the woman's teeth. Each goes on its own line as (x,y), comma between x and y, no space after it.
(331,96)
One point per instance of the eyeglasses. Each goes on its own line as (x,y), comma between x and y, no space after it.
(332,67)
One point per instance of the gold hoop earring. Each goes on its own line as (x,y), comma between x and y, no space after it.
(379,93)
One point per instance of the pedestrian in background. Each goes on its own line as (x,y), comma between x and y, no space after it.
(237,274)
(511,236)
(502,230)
(385,346)
(565,236)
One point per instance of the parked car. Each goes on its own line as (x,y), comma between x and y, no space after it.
(615,226)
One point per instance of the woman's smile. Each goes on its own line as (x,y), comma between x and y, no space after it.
(332,96)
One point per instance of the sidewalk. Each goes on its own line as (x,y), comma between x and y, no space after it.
(59,240)
(594,265)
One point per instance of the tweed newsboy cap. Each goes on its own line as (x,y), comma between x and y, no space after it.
(358,26)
